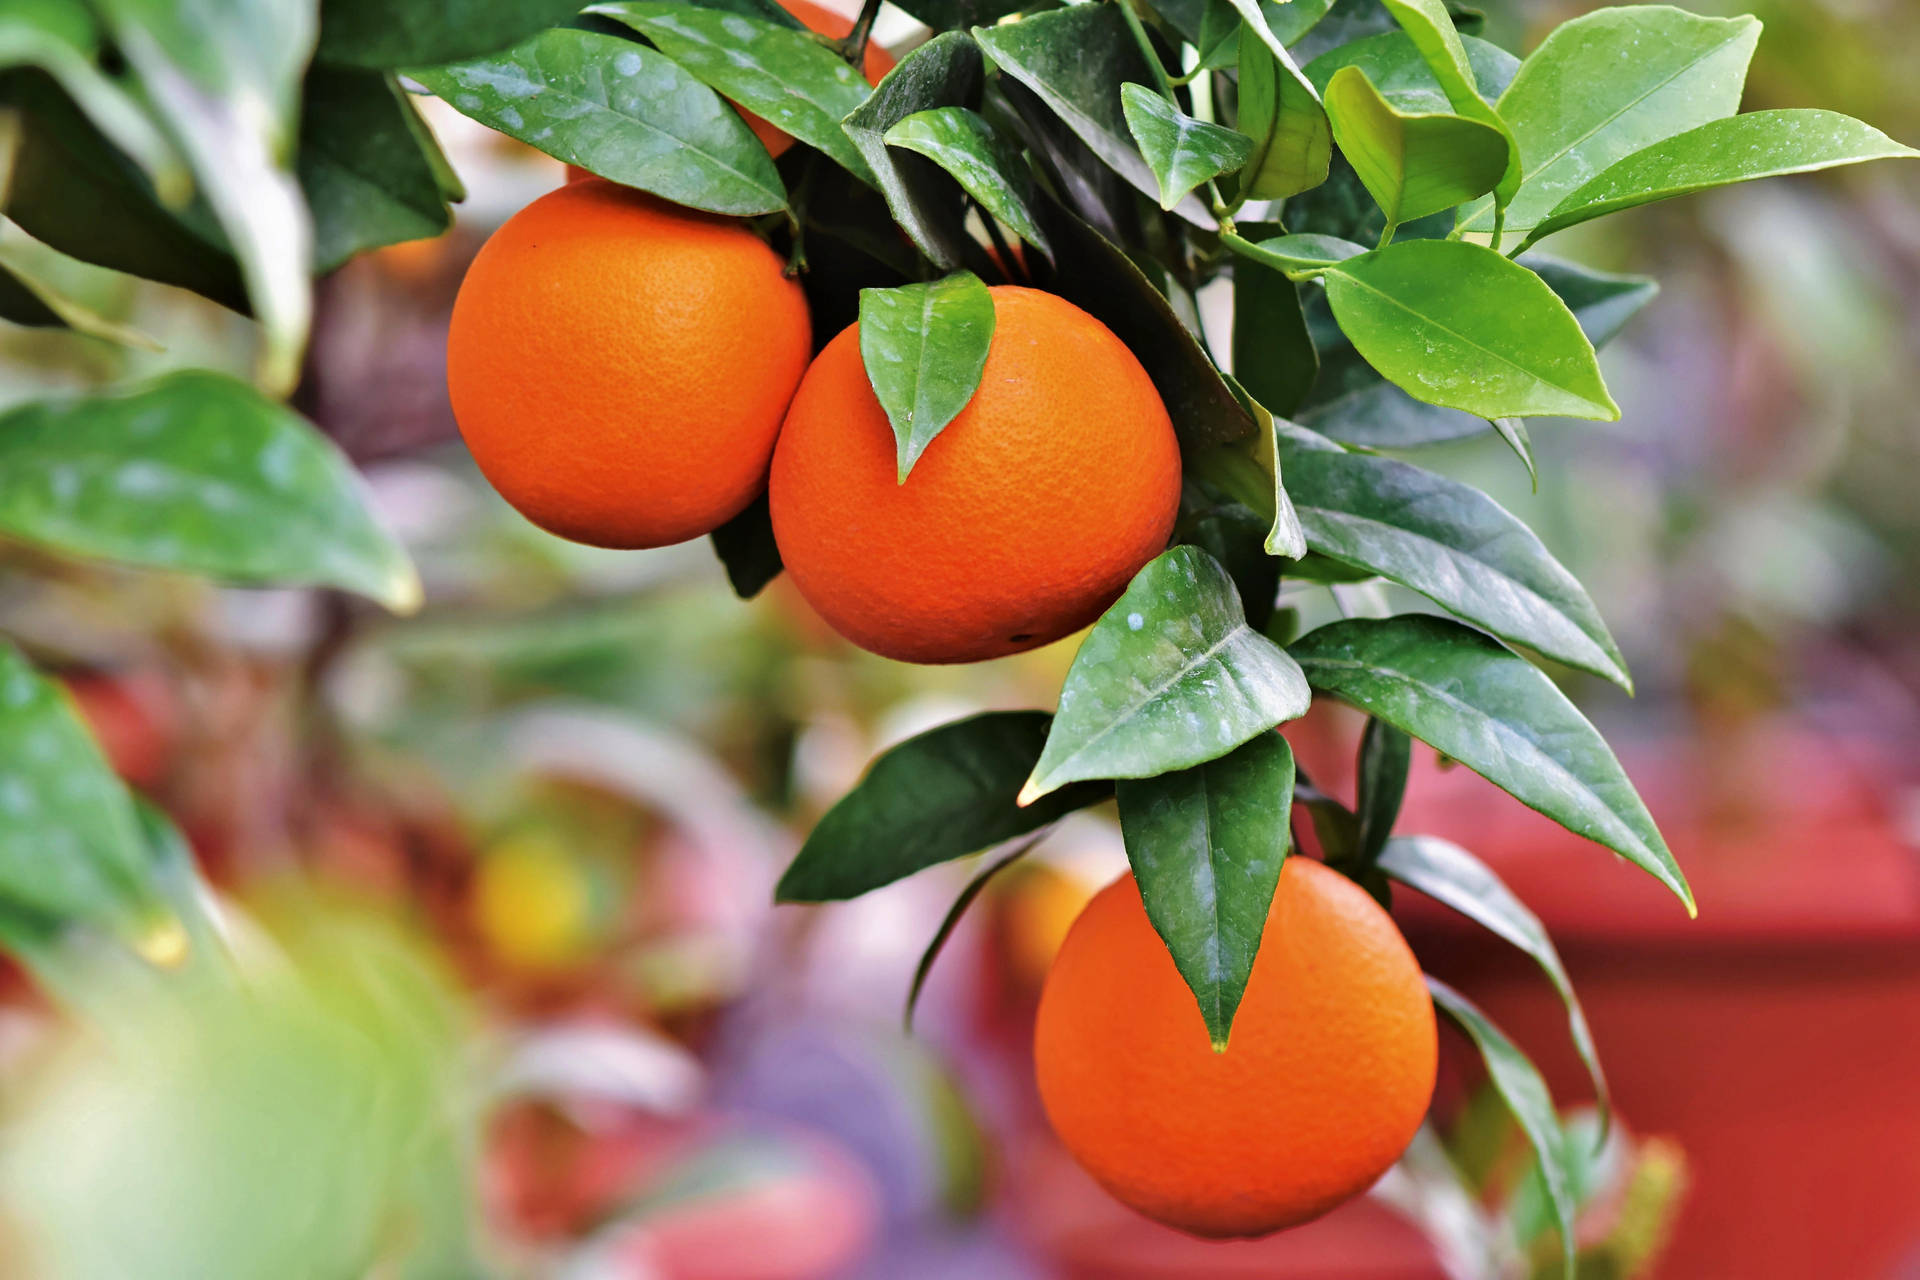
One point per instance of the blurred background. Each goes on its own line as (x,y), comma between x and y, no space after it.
(509,861)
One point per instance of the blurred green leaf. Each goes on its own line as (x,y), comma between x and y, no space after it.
(924,347)
(1206,845)
(1182,152)
(621,109)
(196,473)
(27,297)
(944,72)
(365,176)
(384,34)
(1171,676)
(1478,702)
(986,165)
(1279,110)
(942,795)
(1413,164)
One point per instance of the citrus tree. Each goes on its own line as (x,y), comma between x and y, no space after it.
(1247,247)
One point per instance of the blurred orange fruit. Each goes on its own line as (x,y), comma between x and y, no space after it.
(619,365)
(1022,521)
(1328,1073)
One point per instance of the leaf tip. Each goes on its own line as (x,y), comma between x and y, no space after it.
(1032,791)
(403,593)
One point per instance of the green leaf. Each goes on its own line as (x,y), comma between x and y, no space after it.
(1386,757)
(1279,110)
(1430,27)
(1395,66)
(1075,60)
(1457,325)
(1216,38)
(1514,432)
(960,15)
(985,164)
(1455,878)
(70,852)
(1207,845)
(1171,676)
(382,34)
(1413,165)
(924,347)
(1235,535)
(1601,301)
(1296,256)
(747,550)
(1473,699)
(1526,1095)
(793,79)
(1248,473)
(1760,144)
(224,76)
(943,795)
(1273,354)
(1452,544)
(945,71)
(29,297)
(623,110)
(196,473)
(1603,86)
(362,169)
(1182,152)
(951,921)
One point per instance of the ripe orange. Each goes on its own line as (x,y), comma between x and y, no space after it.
(1327,1075)
(619,366)
(1022,521)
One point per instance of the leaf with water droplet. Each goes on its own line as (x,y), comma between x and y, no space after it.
(925,347)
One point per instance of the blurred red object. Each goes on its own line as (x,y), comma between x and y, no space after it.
(136,718)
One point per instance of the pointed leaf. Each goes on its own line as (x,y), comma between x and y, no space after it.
(1760,144)
(1171,676)
(1279,110)
(1455,878)
(362,169)
(1182,152)
(945,71)
(793,79)
(747,550)
(980,160)
(1413,165)
(1452,544)
(1603,86)
(382,34)
(940,796)
(951,921)
(1457,325)
(1514,432)
(1430,27)
(196,473)
(1601,301)
(924,347)
(1207,845)
(623,110)
(1473,699)
(1386,757)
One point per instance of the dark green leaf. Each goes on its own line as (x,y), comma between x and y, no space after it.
(951,921)
(960,15)
(1273,354)
(1476,701)
(1235,535)
(940,796)
(793,79)
(197,473)
(924,346)
(1342,207)
(980,160)
(747,550)
(1601,87)
(1217,37)
(1207,845)
(1414,165)
(1526,1096)
(1395,66)
(415,33)
(623,110)
(365,176)
(1171,676)
(1386,757)
(1514,432)
(1760,144)
(1279,110)
(1455,878)
(1601,301)
(943,72)
(1182,152)
(1076,177)
(1457,325)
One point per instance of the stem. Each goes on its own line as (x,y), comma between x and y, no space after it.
(1141,38)
(854,47)
(1499,224)
(1386,235)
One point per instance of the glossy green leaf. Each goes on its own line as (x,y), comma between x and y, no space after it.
(1760,144)
(1279,110)
(1455,878)
(1457,325)
(1386,758)
(1235,535)
(1394,64)
(1273,353)
(1603,86)
(1430,27)
(1602,301)
(623,110)
(1296,256)
(943,795)
(196,473)
(70,852)
(1075,60)
(1412,164)
(793,79)
(1216,38)
(1247,472)
(365,176)
(1171,676)
(985,164)
(1526,1096)
(944,72)
(1473,699)
(1182,152)
(747,550)
(1206,845)
(384,34)
(951,921)
(224,76)
(924,347)
(29,297)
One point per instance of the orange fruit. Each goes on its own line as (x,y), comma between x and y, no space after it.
(619,365)
(1022,521)
(1326,1077)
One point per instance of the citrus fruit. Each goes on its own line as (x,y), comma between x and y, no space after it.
(1021,522)
(619,365)
(1325,1078)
